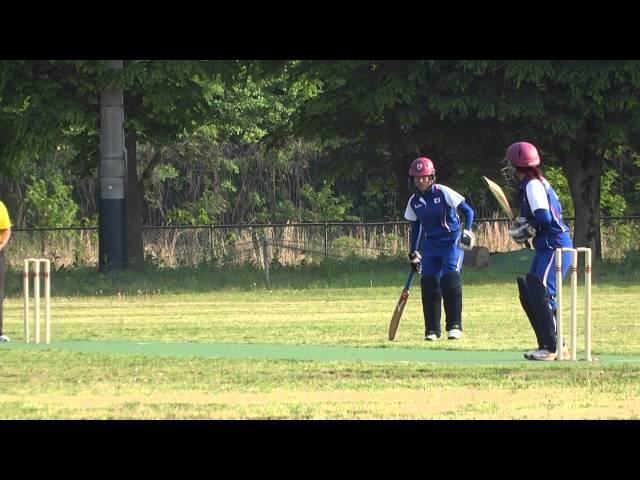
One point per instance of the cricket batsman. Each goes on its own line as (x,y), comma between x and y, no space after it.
(540,219)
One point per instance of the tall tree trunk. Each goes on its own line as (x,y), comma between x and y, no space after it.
(583,169)
(135,250)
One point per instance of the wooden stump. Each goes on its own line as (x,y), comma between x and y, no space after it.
(477,257)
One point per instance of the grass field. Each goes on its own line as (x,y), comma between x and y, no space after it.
(346,309)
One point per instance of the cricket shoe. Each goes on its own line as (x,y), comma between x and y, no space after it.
(4,338)
(565,354)
(431,337)
(454,334)
(530,353)
(543,354)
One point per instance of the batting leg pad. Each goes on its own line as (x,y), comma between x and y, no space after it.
(543,316)
(526,306)
(451,285)
(431,304)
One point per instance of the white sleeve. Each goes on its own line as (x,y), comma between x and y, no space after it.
(537,195)
(452,197)
(409,214)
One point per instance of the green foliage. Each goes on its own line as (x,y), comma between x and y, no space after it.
(166,172)
(204,211)
(372,115)
(45,104)
(181,216)
(324,205)
(620,239)
(49,203)
(260,102)
(558,180)
(378,196)
(235,183)
(612,203)
(393,246)
(362,122)
(346,246)
(283,211)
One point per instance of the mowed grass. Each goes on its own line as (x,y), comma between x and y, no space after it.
(68,385)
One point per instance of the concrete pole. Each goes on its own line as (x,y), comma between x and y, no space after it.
(113,171)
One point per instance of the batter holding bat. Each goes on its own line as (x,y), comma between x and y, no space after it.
(438,241)
(540,219)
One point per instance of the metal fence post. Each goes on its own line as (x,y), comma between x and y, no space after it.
(265,251)
(326,240)
(211,244)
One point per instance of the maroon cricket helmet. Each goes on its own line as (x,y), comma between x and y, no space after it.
(523,154)
(422,167)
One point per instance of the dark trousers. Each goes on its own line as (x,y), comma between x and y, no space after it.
(3,271)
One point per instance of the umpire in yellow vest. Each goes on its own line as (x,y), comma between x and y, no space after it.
(5,234)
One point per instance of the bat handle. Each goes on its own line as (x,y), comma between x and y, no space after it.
(409,279)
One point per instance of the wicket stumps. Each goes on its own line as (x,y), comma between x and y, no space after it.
(36,262)
(574,300)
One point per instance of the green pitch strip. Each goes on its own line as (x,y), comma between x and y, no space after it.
(295,352)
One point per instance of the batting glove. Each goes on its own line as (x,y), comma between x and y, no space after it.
(523,232)
(467,239)
(415,261)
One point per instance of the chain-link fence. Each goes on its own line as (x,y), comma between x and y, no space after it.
(285,244)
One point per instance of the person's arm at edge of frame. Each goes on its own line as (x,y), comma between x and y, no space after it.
(5,235)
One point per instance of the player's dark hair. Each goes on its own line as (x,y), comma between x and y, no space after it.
(531,172)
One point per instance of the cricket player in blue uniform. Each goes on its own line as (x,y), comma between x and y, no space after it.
(541,219)
(437,244)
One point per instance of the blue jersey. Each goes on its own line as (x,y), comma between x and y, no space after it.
(435,213)
(535,195)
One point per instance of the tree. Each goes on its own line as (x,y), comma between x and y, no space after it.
(164,101)
(45,104)
(377,115)
(576,111)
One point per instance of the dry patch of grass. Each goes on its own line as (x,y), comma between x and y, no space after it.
(448,403)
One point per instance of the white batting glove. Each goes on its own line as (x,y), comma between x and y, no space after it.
(467,239)
(415,261)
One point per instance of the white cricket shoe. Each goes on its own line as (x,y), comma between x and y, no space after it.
(543,354)
(431,337)
(4,338)
(565,354)
(454,334)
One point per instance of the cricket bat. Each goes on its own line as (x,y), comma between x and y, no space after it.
(501,198)
(397,313)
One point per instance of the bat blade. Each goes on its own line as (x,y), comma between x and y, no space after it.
(502,200)
(397,312)
(500,197)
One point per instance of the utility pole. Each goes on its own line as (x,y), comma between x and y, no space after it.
(113,171)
